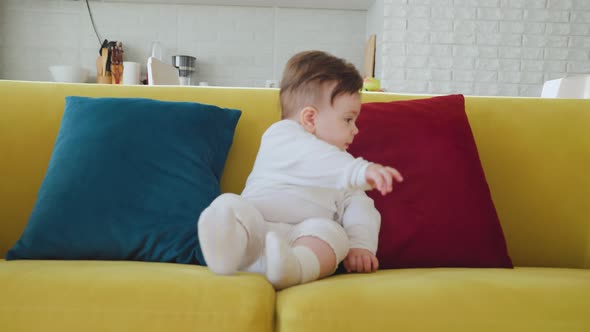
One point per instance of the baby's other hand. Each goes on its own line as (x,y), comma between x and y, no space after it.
(381,177)
(360,260)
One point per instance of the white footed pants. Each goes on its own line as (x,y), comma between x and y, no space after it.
(235,237)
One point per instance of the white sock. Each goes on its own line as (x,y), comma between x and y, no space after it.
(259,266)
(286,266)
(223,240)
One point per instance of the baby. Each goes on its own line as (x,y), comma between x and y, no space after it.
(304,209)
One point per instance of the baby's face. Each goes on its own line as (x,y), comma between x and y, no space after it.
(336,123)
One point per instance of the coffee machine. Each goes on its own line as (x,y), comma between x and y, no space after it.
(186,65)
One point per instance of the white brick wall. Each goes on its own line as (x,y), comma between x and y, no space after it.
(483,47)
(234,46)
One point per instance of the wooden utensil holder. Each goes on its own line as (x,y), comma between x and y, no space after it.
(102,76)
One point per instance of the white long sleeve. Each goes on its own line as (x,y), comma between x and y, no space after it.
(361,221)
(297,176)
(290,155)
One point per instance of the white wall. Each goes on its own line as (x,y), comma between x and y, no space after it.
(483,47)
(234,46)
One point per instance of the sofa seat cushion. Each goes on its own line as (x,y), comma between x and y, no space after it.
(130,296)
(523,299)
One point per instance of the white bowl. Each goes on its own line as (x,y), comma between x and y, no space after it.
(69,74)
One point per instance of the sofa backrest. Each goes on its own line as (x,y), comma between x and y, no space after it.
(535,153)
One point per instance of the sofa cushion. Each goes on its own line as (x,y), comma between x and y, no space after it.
(130,296)
(442,215)
(127,180)
(444,299)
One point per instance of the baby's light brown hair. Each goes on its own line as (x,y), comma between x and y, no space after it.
(307,73)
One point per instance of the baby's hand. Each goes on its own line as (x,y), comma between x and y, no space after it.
(381,177)
(360,260)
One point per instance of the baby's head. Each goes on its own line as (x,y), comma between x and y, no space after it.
(321,92)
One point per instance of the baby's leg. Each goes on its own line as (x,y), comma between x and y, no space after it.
(282,230)
(231,234)
(311,251)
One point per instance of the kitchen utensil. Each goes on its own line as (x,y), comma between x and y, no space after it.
(105,57)
(117,62)
(186,65)
(160,73)
(131,71)
(69,74)
(369,64)
(157,50)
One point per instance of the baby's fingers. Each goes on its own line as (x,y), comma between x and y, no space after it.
(387,185)
(378,181)
(346,265)
(374,263)
(395,174)
(384,188)
(352,264)
(366,264)
(388,180)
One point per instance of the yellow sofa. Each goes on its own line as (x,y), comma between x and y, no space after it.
(536,156)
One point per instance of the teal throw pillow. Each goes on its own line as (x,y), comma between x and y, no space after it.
(127,180)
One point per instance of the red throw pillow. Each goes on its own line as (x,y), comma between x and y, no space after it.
(442,215)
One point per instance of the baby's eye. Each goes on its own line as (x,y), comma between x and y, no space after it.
(349,120)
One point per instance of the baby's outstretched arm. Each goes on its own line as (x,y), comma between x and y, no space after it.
(289,154)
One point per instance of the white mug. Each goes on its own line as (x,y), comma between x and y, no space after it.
(131,71)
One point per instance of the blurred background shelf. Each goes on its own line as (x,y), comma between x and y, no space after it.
(316,4)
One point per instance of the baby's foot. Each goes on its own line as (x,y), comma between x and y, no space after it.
(223,239)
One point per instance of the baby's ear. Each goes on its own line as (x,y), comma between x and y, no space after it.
(307,118)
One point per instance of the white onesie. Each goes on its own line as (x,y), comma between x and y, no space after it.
(297,176)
